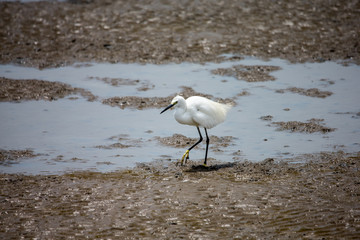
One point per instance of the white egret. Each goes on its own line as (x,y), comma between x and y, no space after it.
(200,112)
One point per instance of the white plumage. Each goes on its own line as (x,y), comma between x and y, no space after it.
(200,112)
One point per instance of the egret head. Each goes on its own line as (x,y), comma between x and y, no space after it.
(173,103)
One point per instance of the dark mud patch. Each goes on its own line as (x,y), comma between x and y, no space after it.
(116,82)
(259,73)
(326,82)
(145,86)
(158,102)
(181,141)
(354,114)
(9,157)
(138,102)
(62,159)
(235,200)
(311,92)
(122,141)
(105,163)
(243,93)
(114,145)
(266,118)
(311,126)
(32,89)
(45,34)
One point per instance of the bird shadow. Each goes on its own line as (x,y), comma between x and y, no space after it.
(212,168)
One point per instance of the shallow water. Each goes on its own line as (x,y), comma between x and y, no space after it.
(66,133)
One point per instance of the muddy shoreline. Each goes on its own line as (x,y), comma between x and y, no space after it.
(318,199)
(313,196)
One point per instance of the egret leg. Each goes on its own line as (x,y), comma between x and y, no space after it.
(207,146)
(186,154)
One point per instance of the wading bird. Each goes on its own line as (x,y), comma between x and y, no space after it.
(200,112)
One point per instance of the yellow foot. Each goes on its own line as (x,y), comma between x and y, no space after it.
(185,156)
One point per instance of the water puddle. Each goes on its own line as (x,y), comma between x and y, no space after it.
(76,134)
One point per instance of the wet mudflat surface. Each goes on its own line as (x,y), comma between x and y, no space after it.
(84,152)
(319,199)
(47,34)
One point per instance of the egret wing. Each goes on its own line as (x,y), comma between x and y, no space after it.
(207,113)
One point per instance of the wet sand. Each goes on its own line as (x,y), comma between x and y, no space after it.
(311,196)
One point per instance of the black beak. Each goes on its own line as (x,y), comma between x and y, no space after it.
(170,106)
